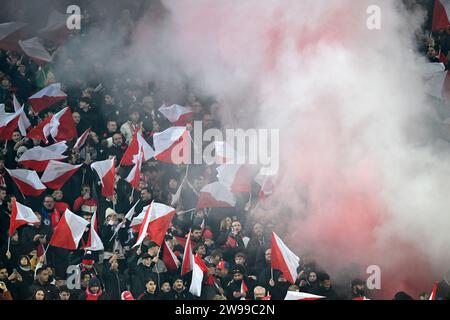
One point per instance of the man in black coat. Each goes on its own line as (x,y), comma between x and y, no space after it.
(42,282)
(241,287)
(179,291)
(113,281)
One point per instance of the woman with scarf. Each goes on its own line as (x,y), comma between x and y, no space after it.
(94,291)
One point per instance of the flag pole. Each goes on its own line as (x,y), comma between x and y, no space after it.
(132,194)
(45,252)
(9,242)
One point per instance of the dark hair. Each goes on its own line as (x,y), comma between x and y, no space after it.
(64,289)
(86,100)
(196,228)
(33,297)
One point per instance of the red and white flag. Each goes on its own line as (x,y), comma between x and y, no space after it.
(47,97)
(10,34)
(137,144)
(106,171)
(236,177)
(37,133)
(156,222)
(169,258)
(188,257)
(57,173)
(38,158)
(60,126)
(27,181)
(34,49)
(198,271)
(215,195)
(20,215)
(267,183)
(284,259)
(56,29)
(131,212)
(68,231)
(244,289)
(8,124)
(176,114)
(441,14)
(94,242)
(134,177)
(433,293)
(82,139)
(173,145)
(224,153)
(294,295)
(24,123)
(137,221)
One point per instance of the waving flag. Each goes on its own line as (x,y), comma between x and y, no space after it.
(236,177)
(172,145)
(8,124)
(56,29)
(20,215)
(244,288)
(137,144)
(60,126)
(47,97)
(94,242)
(36,51)
(441,14)
(134,177)
(169,258)
(293,295)
(24,123)
(82,139)
(10,34)
(215,195)
(433,293)
(106,171)
(137,221)
(284,259)
(198,271)
(57,173)
(38,158)
(188,257)
(68,231)
(27,181)
(176,114)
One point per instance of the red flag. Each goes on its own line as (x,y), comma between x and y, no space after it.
(433,293)
(37,132)
(169,258)
(20,215)
(47,97)
(68,231)
(82,139)
(176,114)
(441,14)
(134,177)
(94,242)
(57,173)
(172,145)
(10,34)
(27,181)
(198,271)
(106,171)
(38,158)
(284,259)
(56,29)
(236,177)
(215,195)
(36,51)
(60,126)
(188,257)
(24,123)
(8,123)
(137,144)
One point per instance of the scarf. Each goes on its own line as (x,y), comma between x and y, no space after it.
(93,296)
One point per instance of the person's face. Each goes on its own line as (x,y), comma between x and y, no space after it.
(117,140)
(86,191)
(178,285)
(84,106)
(312,277)
(151,286)
(148,103)
(3,274)
(43,276)
(237,276)
(207,121)
(40,295)
(64,295)
(326,284)
(85,280)
(58,195)
(228,222)
(94,290)
(49,203)
(109,99)
(2,195)
(16,136)
(111,126)
(156,127)
(173,184)
(222,272)
(76,117)
(259,294)
(201,250)
(239,260)
(197,234)
(5,83)
(268,255)
(145,195)
(236,226)
(431,52)
(24,262)
(114,265)
(134,117)
(153,251)
(258,229)
(198,183)
(165,287)
(94,137)
(147,262)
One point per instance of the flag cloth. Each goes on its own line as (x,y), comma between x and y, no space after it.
(10,34)
(24,122)
(94,242)
(188,257)
(198,271)
(27,181)
(68,231)
(441,14)
(106,171)
(47,97)
(284,259)
(294,295)
(215,195)
(176,114)
(82,139)
(236,177)
(56,29)
(433,293)
(9,123)
(169,258)
(134,177)
(20,215)
(57,173)
(38,158)
(34,49)
(173,145)
(137,144)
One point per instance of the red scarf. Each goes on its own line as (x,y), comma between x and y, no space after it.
(92,296)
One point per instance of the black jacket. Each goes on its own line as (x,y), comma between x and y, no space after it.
(51,292)
(113,281)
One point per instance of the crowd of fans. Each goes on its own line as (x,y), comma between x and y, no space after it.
(233,244)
